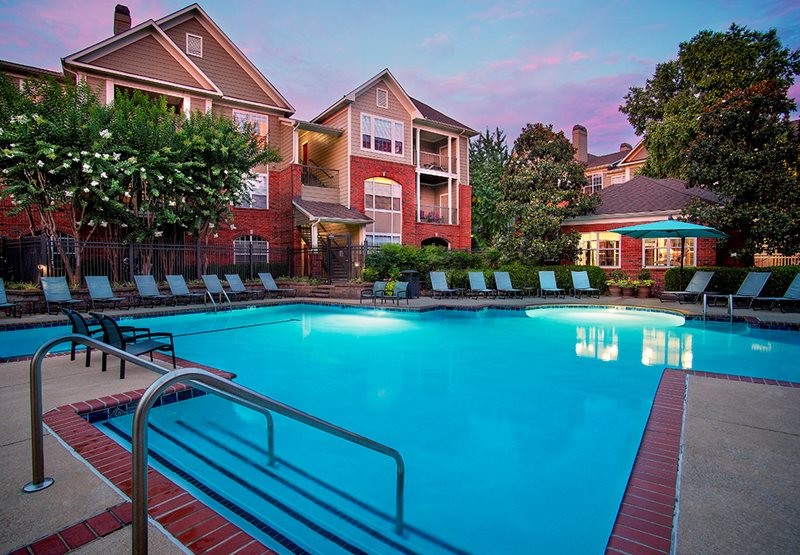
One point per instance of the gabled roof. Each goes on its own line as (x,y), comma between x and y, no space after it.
(433,115)
(615,159)
(330,212)
(21,69)
(643,194)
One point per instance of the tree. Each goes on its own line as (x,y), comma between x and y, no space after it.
(542,186)
(708,67)
(747,151)
(488,155)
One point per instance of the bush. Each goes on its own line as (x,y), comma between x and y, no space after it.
(727,280)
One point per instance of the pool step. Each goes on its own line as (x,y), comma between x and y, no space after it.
(322,291)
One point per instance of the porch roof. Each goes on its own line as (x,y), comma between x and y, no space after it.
(330,212)
(319,128)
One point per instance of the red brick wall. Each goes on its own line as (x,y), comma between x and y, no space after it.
(458,236)
(631,250)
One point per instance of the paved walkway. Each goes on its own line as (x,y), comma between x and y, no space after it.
(739,487)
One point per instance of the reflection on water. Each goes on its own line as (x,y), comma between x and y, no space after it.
(597,342)
(666,347)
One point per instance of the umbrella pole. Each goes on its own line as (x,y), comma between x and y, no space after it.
(680,275)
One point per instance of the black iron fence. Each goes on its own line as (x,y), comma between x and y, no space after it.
(28,258)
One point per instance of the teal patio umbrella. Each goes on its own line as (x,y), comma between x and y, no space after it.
(670,228)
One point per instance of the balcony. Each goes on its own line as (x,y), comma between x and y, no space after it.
(436,162)
(435,214)
(318,184)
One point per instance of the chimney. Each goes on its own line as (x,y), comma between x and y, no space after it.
(580,141)
(625,147)
(122,19)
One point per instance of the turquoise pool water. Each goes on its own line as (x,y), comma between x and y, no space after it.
(518,428)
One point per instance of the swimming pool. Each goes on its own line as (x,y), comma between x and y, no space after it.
(518,428)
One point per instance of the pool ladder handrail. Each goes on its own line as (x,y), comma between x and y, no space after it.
(195,377)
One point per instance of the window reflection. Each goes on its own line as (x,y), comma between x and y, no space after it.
(597,342)
(666,348)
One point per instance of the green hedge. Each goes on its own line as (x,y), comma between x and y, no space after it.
(727,280)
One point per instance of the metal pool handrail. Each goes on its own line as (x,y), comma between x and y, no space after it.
(250,397)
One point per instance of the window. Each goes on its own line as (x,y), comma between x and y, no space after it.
(382,98)
(194,45)
(246,121)
(618,179)
(666,253)
(249,246)
(599,248)
(382,203)
(257,194)
(596,185)
(382,135)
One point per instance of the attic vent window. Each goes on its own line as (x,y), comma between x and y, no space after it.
(383,98)
(194,45)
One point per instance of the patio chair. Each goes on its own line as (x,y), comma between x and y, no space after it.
(547,284)
(696,287)
(179,289)
(581,285)
(214,287)
(477,286)
(82,327)
(140,341)
(504,287)
(148,291)
(57,295)
(271,288)
(9,307)
(399,292)
(100,293)
(377,291)
(439,285)
(750,288)
(238,288)
(790,298)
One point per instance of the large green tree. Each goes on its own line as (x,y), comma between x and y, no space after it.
(542,186)
(747,151)
(488,155)
(709,67)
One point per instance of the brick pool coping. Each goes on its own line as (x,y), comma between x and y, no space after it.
(644,525)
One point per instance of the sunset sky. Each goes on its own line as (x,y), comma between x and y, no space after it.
(486,63)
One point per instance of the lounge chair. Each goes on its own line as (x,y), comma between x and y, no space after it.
(696,287)
(581,285)
(377,291)
(271,288)
(477,286)
(750,288)
(399,292)
(179,289)
(504,287)
(57,295)
(82,327)
(547,284)
(148,291)
(101,295)
(214,287)
(136,341)
(790,298)
(5,304)
(238,288)
(439,286)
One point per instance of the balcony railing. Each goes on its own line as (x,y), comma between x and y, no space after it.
(437,162)
(433,214)
(315,176)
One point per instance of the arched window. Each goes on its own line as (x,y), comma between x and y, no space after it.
(435,242)
(250,247)
(382,203)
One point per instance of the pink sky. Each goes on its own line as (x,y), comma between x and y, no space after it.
(495,63)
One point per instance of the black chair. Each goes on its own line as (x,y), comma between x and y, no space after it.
(136,341)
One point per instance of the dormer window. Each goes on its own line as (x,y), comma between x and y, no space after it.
(194,45)
(382,99)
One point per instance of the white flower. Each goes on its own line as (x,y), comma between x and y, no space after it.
(233,227)
(105,133)
(76,159)
(159,233)
(5,171)
(87,168)
(84,153)
(98,155)
(103,175)
(123,225)
(1,130)
(13,145)
(19,119)
(105,156)
(172,203)
(211,226)
(216,235)
(94,183)
(86,189)
(116,156)
(65,164)
(103,224)
(161,178)
(91,223)
(68,194)
(127,194)
(40,163)
(105,199)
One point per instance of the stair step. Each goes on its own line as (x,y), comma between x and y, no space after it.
(322,291)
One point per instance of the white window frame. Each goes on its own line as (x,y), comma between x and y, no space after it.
(253,186)
(385,94)
(190,36)
(242,117)
(595,184)
(241,248)
(617,179)
(395,236)
(673,244)
(393,132)
(595,238)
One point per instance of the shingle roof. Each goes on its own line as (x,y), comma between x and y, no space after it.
(31,70)
(606,159)
(331,212)
(438,117)
(643,194)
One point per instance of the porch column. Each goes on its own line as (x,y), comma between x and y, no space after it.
(314,242)
(417,209)
(449,200)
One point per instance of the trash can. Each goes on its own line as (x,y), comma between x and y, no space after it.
(412,278)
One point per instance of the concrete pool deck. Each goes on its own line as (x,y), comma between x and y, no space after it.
(739,483)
